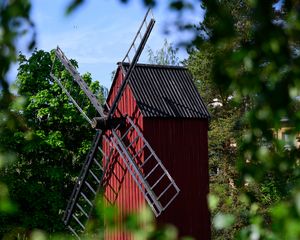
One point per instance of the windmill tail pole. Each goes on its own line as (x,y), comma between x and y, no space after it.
(131,67)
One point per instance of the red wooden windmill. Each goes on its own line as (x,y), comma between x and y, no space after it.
(162,105)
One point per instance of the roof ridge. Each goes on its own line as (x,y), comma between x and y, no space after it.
(154,65)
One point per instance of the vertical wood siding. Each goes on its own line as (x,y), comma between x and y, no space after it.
(182,146)
(121,190)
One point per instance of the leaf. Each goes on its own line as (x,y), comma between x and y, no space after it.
(213,201)
(223,221)
(177,5)
(38,235)
(73,6)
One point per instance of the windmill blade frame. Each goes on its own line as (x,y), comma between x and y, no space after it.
(81,179)
(78,80)
(152,178)
(152,197)
(136,57)
(108,121)
(71,98)
(88,185)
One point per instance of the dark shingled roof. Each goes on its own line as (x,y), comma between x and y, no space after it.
(166,91)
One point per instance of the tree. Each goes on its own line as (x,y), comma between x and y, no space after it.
(226,128)
(50,144)
(15,19)
(14,22)
(225,131)
(260,67)
(225,37)
(167,55)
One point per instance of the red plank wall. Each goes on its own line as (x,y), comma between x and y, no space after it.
(181,144)
(121,189)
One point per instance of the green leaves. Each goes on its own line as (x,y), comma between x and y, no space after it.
(74,5)
(15,22)
(50,145)
(253,53)
(54,139)
(222,221)
(213,201)
(167,55)
(6,206)
(180,5)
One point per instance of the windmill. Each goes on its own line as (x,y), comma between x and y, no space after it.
(119,134)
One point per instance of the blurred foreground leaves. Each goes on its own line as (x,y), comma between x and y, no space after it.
(255,64)
(254,54)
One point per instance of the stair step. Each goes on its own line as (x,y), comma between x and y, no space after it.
(166,189)
(138,152)
(145,161)
(98,164)
(127,131)
(74,232)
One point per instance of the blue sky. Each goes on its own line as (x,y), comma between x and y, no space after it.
(99,33)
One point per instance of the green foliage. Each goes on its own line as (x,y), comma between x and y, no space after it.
(256,64)
(73,5)
(225,131)
(41,139)
(167,55)
(14,23)
(244,66)
(50,146)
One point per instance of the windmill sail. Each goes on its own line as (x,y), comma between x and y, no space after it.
(77,78)
(151,177)
(90,180)
(74,91)
(147,170)
(141,38)
(80,107)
